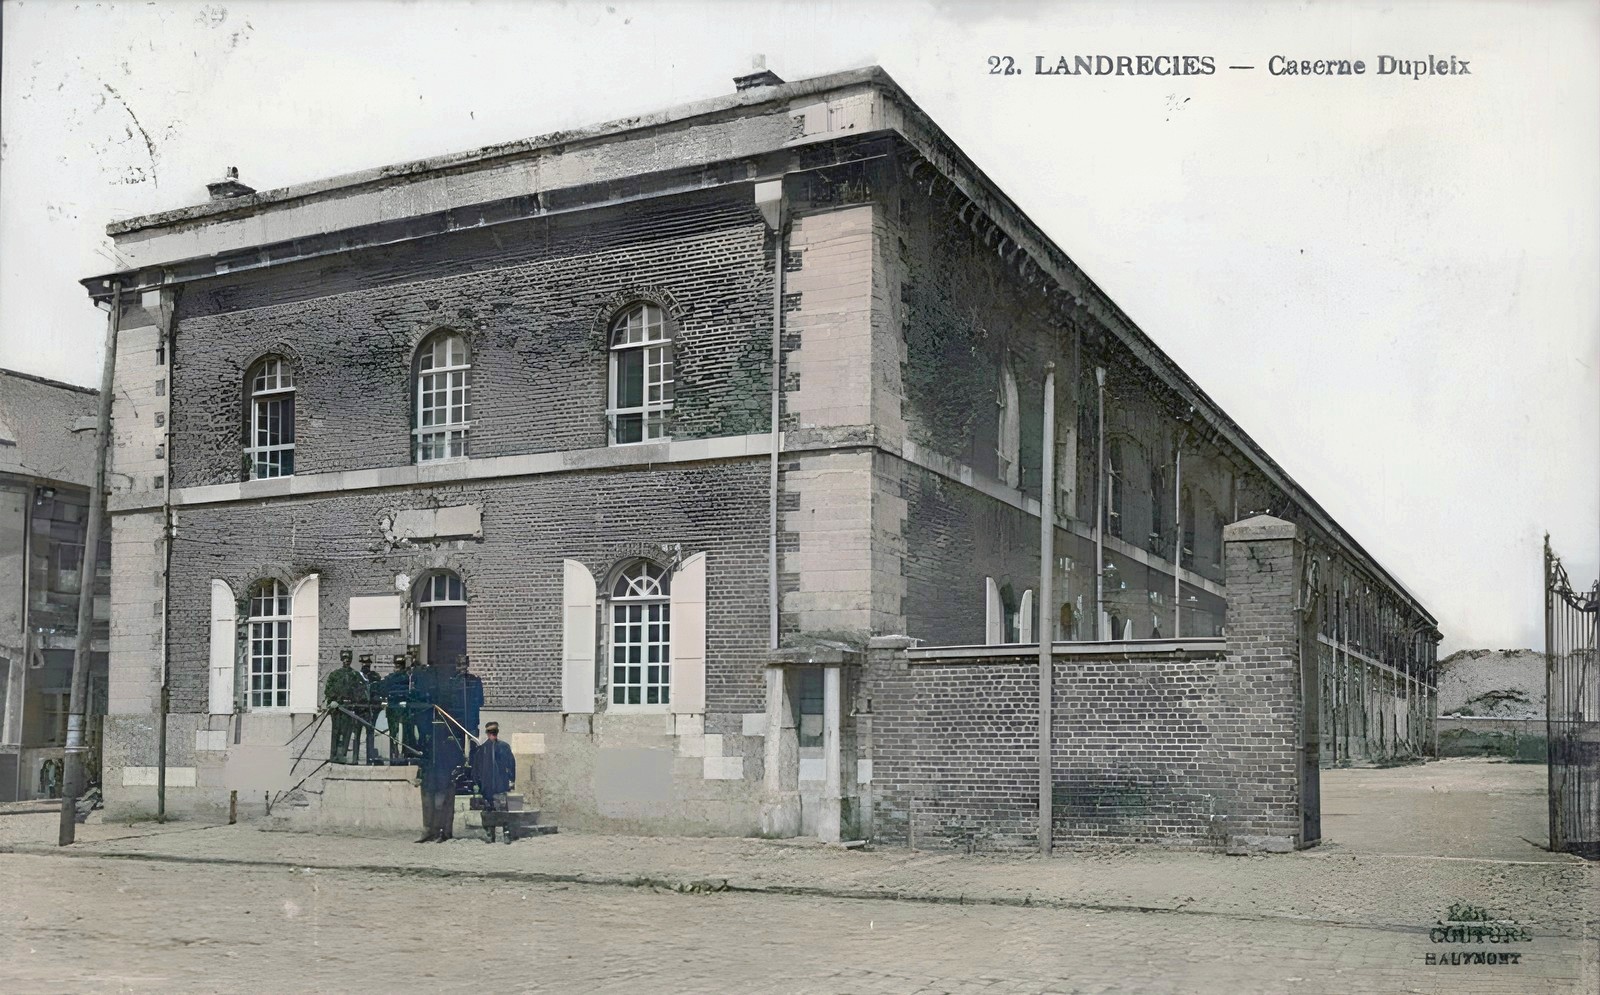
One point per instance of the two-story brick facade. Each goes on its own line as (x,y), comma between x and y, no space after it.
(518,403)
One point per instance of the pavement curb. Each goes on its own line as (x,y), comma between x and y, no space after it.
(707,886)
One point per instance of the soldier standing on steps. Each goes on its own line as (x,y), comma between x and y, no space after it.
(342,691)
(371,702)
(495,770)
(436,691)
(393,690)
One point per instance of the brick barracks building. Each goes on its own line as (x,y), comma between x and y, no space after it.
(519,403)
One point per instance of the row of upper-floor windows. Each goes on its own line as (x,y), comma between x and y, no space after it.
(638,400)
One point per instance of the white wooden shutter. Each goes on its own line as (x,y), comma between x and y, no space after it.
(689,636)
(304,693)
(224,647)
(994,614)
(1025,618)
(577,638)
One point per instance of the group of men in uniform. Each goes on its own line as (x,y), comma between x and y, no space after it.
(432,714)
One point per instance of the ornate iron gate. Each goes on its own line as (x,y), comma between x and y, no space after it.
(1572,710)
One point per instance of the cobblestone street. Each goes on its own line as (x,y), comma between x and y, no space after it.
(188,908)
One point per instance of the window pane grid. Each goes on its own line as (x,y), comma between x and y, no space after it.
(269,646)
(444,400)
(641,652)
(271,439)
(642,376)
(442,589)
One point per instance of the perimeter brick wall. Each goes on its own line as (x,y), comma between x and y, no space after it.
(1195,750)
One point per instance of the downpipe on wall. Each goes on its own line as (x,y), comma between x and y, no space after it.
(769,199)
(1047,556)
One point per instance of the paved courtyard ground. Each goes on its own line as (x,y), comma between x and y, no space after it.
(184,907)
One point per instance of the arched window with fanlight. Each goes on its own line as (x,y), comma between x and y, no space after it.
(270,624)
(640,635)
(443,398)
(641,375)
(269,439)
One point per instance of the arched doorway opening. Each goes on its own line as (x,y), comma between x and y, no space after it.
(441,618)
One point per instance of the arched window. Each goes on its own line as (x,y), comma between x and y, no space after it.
(1188,524)
(269,625)
(1156,541)
(269,444)
(641,637)
(441,604)
(641,375)
(444,397)
(1009,437)
(1114,488)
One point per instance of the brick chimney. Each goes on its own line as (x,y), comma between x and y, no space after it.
(759,75)
(229,186)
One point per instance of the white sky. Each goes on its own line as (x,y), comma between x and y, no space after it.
(1391,284)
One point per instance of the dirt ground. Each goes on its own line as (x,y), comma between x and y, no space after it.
(184,907)
(1458,807)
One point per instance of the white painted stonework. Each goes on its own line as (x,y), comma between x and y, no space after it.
(304,639)
(724,768)
(224,641)
(145,777)
(210,740)
(689,636)
(527,742)
(375,613)
(578,638)
(456,522)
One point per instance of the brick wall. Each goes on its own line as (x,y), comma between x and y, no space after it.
(533,300)
(1191,750)
(954,751)
(513,574)
(1261,727)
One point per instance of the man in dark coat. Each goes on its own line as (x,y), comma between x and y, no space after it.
(439,691)
(495,770)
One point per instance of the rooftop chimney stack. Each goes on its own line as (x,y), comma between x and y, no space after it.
(759,76)
(229,186)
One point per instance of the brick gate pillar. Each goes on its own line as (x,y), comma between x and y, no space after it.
(1262,728)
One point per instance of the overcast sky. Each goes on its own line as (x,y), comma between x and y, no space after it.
(1392,284)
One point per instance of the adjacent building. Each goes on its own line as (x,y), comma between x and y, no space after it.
(47,436)
(714,439)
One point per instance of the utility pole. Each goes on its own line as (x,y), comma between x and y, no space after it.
(1177,545)
(89,570)
(1047,609)
(1100,506)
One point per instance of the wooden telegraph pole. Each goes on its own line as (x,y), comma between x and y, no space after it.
(89,570)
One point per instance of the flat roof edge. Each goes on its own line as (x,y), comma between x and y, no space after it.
(48,382)
(745,99)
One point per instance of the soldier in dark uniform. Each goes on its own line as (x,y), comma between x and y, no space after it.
(342,691)
(416,711)
(393,689)
(471,697)
(371,702)
(440,690)
(495,770)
